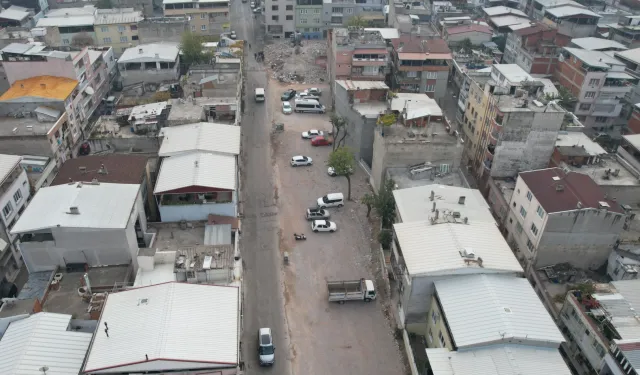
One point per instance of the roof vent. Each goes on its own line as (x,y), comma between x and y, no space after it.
(73,210)
(140,50)
(467,252)
(559,187)
(102,169)
(603,204)
(43,85)
(461,199)
(507,310)
(432,196)
(556,178)
(83,170)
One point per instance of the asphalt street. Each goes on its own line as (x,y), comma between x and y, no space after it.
(263,287)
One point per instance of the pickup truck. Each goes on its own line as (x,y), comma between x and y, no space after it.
(351,290)
(317,214)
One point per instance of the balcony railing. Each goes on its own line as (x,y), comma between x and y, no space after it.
(193,199)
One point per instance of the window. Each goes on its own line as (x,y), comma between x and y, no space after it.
(432,75)
(585,107)
(316,29)
(7,210)
(441,338)
(17,197)
(430,88)
(594,82)
(519,228)
(104,29)
(289,18)
(275,18)
(134,37)
(529,196)
(303,11)
(430,337)
(534,229)
(337,10)
(303,20)
(203,27)
(523,212)
(133,27)
(316,11)
(601,119)
(434,317)
(123,39)
(412,74)
(316,20)
(590,94)
(540,211)
(349,10)
(289,7)
(65,41)
(193,28)
(274,7)
(107,40)
(121,28)
(203,16)
(529,245)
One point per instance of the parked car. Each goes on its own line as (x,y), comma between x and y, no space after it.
(321,141)
(252,4)
(323,226)
(286,108)
(314,91)
(257,10)
(331,200)
(317,214)
(287,95)
(266,350)
(312,134)
(332,172)
(232,35)
(300,160)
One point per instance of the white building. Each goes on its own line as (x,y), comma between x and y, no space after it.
(155,62)
(443,232)
(45,340)
(624,263)
(97,224)
(14,197)
(170,327)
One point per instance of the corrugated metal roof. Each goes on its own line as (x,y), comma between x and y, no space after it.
(201,136)
(417,105)
(595,44)
(7,163)
(386,33)
(65,21)
(362,85)
(162,52)
(42,87)
(14,14)
(505,309)
(435,249)
(595,59)
(631,55)
(217,234)
(622,307)
(501,21)
(197,169)
(570,10)
(498,360)
(633,139)
(101,206)
(178,322)
(578,139)
(631,351)
(117,16)
(499,10)
(48,111)
(41,340)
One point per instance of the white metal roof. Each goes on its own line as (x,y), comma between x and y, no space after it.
(596,44)
(197,169)
(102,205)
(14,14)
(579,139)
(414,204)
(362,85)
(201,136)
(175,325)
(430,249)
(505,309)
(499,10)
(162,52)
(40,340)
(507,20)
(65,21)
(631,54)
(570,10)
(117,16)
(621,308)
(513,72)
(386,33)
(633,139)
(556,3)
(417,105)
(7,163)
(498,360)
(596,59)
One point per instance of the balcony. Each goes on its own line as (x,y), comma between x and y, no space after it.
(368,62)
(497,122)
(493,137)
(487,165)
(80,71)
(491,149)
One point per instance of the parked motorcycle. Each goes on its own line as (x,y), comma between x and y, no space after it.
(299,237)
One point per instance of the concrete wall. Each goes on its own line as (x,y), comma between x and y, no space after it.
(19,145)
(125,145)
(435,326)
(130,77)
(162,30)
(146,6)
(21,184)
(359,129)
(54,67)
(175,213)
(476,38)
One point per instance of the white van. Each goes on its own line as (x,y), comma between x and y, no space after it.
(331,200)
(308,105)
(259,94)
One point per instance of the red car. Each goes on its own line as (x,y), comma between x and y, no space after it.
(321,141)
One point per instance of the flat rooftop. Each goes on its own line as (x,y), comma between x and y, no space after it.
(10,126)
(108,127)
(438,174)
(435,131)
(506,186)
(619,173)
(510,103)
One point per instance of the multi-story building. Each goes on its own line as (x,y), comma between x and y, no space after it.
(626,31)
(206,17)
(507,127)
(117,28)
(533,48)
(602,326)
(357,55)
(15,193)
(571,21)
(421,65)
(631,60)
(557,216)
(307,15)
(337,13)
(536,8)
(146,6)
(39,7)
(599,83)
(70,26)
(16,16)
(480,76)
(155,62)
(501,18)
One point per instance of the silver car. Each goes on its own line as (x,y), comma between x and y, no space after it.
(266,350)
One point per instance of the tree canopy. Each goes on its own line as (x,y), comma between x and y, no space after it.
(192,49)
(343,163)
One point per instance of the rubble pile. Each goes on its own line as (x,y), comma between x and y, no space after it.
(290,66)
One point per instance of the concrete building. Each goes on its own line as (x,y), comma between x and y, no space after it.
(357,55)
(206,17)
(600,325)
(624,263)
(337,13)
(146,6)
(97,224)
(34,120)
(41,170)
(117,28)
(360,103)
(459,237)
(463,77)
(534,48)
(16,16)
(222,79)
(633,126)
(163,29)
(139,327)
(571,21)
(500,18)
(421,65)
(558,217)
(476,33)
(536,8)
(631,60)
(185,188)
(71,26)
(626,31)
(307,17)
(38,7)
(599,83)
(14,197)
(150,63)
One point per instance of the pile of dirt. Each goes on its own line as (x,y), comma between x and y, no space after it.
(289,64)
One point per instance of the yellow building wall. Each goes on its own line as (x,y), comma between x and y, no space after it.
(437,327)
(474,115)
(110,35)
(201,17)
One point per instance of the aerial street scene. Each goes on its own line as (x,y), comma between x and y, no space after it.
(358,187)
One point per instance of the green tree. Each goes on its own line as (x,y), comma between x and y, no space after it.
(357,21)
(104,4)
(368,200)
(339,130)
(387,119)
(192,50)
(564,98)
(343,163)
(385,203)
(82,40)
(384,238)
(466,44)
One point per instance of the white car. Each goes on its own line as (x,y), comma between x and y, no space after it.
(232,35)
(286,108)
(332,172)
(312,134)
(323,226)
(253,4)
(300,160)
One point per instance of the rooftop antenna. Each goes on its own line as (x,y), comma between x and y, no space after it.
(44,369)
(106,329)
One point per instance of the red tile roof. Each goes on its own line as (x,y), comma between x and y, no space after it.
(121,169)
(413,44)
(473,28)
(577,188)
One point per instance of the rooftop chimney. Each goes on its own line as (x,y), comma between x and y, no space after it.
(433,209)
(83,170)
(73,210)
(432,196)
(461,199)
(102,169)
(559,187)
(140,50)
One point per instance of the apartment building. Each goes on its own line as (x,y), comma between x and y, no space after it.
(357,54)
(633,126)
(155,62)
(70,26)
(508,127)
(599,83)
(571,21)
(281,19)
(206,17)
(477,34)
(557,216)
(117,28)
(307,15)
(533,47)
(421,65)
(146,6)
(626,31)
(16,16)
(337,13)
(631,60)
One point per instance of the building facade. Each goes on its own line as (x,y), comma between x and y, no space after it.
(533,48)
(357,55)
(206,17)
(571,21)
(308,18)
(117,28)
(150,63)
(626,31)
